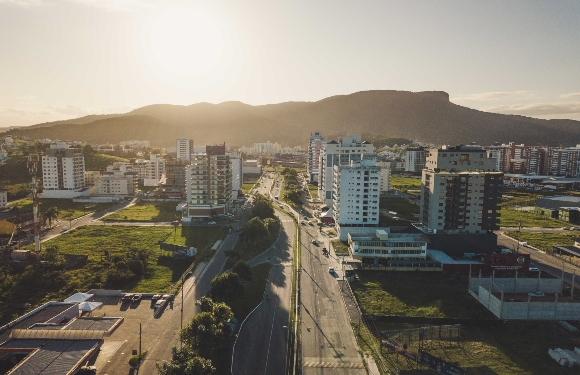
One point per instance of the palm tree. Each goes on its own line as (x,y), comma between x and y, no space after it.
(51,214)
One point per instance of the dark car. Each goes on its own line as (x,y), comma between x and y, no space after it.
(127,297)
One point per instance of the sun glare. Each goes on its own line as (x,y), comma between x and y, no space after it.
(186,42)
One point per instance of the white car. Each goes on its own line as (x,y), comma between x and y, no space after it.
(212,223)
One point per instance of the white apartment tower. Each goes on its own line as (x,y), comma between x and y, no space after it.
(314,149)
(63,171)
(460,191)
(347,149)
(357,193)
(184,148)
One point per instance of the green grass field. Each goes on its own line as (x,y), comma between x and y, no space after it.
(404,183)
(511,218)
(313,191)
(340,247)
(147,211)
(253,293)
(247,187)
(402,207)
(203,238)
(545,241)
(68,210)
(425,294)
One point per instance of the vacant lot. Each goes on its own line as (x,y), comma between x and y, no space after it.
(147,211)
(511,218)
(545,241)
(21,290)
(202,238)
(425,294)
(402,207)
(68,210)
(502,348)
(404,183)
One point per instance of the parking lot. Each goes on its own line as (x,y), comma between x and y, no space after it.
(118,348)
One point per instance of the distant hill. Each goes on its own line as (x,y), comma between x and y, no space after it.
(425,116)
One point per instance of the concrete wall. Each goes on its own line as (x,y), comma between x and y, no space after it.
(521,285)
(527,310)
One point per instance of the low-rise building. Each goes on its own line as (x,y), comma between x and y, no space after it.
(116,183)
(379,246)
(91,177)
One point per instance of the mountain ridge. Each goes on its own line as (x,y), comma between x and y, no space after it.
(427,116)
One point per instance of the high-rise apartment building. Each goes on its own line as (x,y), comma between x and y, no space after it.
(208,184)
(357,193)
(237,175)
(184,148)
(415,159)
(3,199)
(63,171)
(347,149)
(460,191)
(314,148)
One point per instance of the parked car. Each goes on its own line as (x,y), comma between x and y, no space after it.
(534,269)
(127,297)
(159,303)
(212,223)
(155,297)
(136,298)
(331,269)
(314,242)
(168,297)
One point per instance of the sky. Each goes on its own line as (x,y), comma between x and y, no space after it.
(62,59)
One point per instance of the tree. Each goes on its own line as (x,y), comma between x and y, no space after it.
(51,255)
(51,214)
(184,361)
(209,331)
(243,270)
(255,228)
(262,207)
(226,287)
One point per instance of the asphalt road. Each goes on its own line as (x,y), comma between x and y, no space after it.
(261,346)
(328,342)
(544,262)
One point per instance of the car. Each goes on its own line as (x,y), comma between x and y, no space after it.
(536,294)
(575,228)
(64,229)
(136,298)
(324,250)
(237,229)
(330,269)
(168,297)
(230,230)
(159,303)
(534,269)
(314,242)
(566,228)
(127,297)
(155,297)
(212,223)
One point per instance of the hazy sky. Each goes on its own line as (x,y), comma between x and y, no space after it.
(63,59)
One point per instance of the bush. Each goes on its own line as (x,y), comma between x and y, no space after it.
(135,361)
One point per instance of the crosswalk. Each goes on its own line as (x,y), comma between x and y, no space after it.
(332,364)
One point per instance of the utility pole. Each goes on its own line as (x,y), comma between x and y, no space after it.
(140,333)
(181,328)
(32,168)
